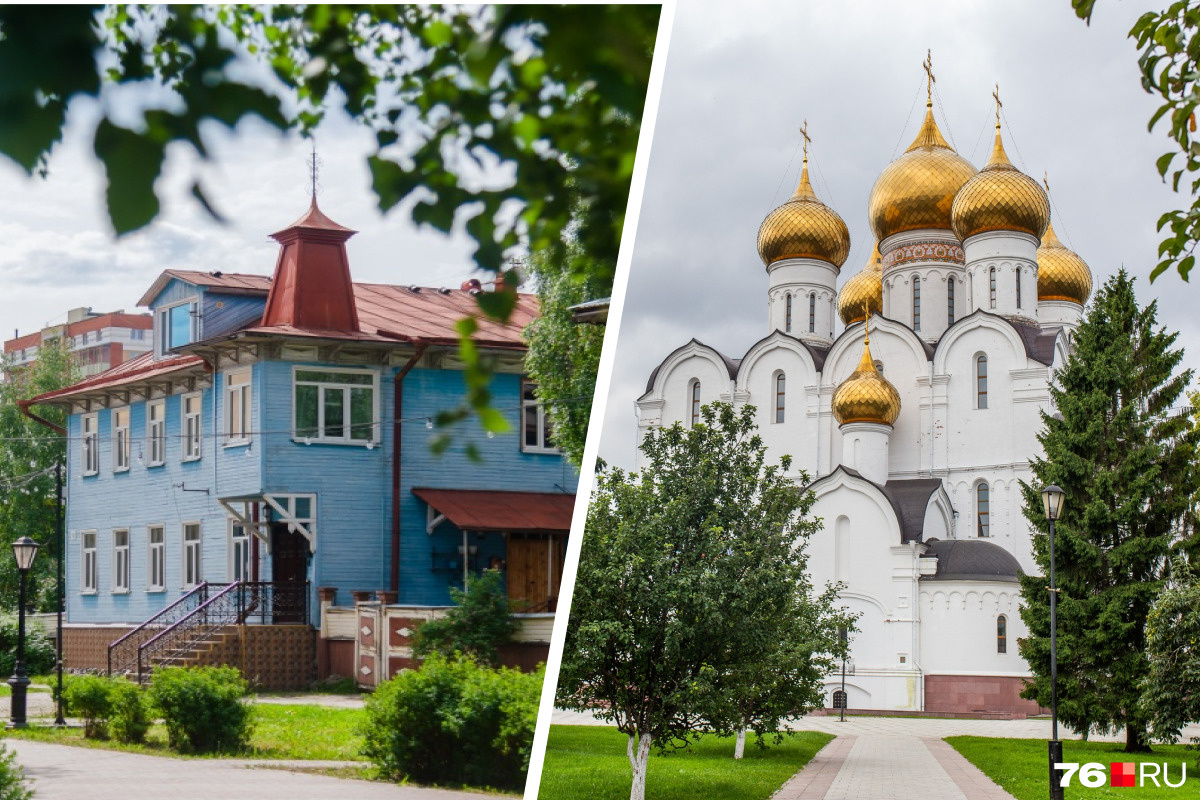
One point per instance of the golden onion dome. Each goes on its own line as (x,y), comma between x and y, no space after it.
(917,189)
(804,227)
(863,293)
(1062,274)
(1000,198)
(866,396)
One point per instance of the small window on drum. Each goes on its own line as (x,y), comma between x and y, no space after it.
(787,321)
(812,312)
(916,304)
(950,301)
(1001,634)
(992,287)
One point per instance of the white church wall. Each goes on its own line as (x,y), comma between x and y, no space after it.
(959,628)
(670,397)
(796,435)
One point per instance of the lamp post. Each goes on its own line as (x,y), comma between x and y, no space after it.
(1052,504)
(843,634)
(24,549)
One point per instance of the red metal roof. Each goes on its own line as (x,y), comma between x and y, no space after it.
(136,369)
(474,510)
(311,288)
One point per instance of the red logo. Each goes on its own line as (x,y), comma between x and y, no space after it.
(1122,773)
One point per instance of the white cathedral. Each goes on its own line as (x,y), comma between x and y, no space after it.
(916,423)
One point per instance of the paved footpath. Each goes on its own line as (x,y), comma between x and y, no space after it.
(884,758)
(62,772)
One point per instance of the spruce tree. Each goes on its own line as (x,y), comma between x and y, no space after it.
(1123,459)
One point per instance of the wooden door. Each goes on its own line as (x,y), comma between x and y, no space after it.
(535,564)
(289,573)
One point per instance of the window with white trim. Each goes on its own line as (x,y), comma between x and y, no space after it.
(156,559)
(88,574)
(298,512)
(90,439)
(239,552)
(983,515)
(780,396)
(1001,634)
(177,326)
(120,435)
(238,404)
(537,431)
(1018,274)
(191,555)
(335,406)
(192,407)
(981,389)
(120,584)
(787,326)
(694,400)
(992,286)
(156,433)
(916,304)
(950,301)
(812,312)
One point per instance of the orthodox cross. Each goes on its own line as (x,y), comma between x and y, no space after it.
(807,138)
(999,105)
(930,80)
(1046,181)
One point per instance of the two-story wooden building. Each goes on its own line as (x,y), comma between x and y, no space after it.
(233,493)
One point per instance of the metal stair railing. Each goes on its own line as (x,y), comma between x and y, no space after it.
(122,653)
(178,640)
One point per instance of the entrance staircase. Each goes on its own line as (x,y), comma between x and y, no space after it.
(199,624)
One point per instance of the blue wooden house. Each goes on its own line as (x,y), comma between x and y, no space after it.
(269,463)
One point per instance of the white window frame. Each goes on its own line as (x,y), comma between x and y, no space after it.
(238,435)
(156,555)
(981,396)
(779,385)
(347,422)
(89,454)
(545,441)
(192,438)
(190,580)
(237,542)
(89,573)
(162,322)
(285,511)
(983,530)
(120,562)
(156,433)
(122,449)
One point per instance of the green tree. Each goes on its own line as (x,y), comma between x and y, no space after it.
(28,453)
(520,122)
(1125,463)
(478,624)
(1171,688)
(684,571)
(564,355)
(1169,41)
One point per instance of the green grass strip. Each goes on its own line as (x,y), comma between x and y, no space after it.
(588,762)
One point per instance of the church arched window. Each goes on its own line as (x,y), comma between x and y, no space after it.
(1018,287)
(992,287)
(916,304)
(787,322)
(1001,634)
(950,301)
(981,381)
(983,513)
(812,312)
(780,396)
(694,400)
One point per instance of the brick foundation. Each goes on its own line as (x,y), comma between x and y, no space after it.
(978,694)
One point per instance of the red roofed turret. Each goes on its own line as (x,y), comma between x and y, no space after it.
(311,288)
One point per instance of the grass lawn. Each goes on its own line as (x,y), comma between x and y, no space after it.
(301,732)
(1020,766)
(587,762)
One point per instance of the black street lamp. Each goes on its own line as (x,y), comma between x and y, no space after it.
(1052,504)
(24,549)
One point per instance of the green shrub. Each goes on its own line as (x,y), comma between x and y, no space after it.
(90,697)
(202,708)
(479,623)
(12,778)
(129,721)
(454,721)
(39,648)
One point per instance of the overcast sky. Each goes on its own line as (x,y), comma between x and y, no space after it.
(742,77)
(59,252)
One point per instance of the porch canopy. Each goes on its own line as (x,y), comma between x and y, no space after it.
(513,512)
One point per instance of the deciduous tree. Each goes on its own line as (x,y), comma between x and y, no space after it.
(1124,459)
(686,569)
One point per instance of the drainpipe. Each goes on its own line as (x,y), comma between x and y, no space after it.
(24,406)
(397,447)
